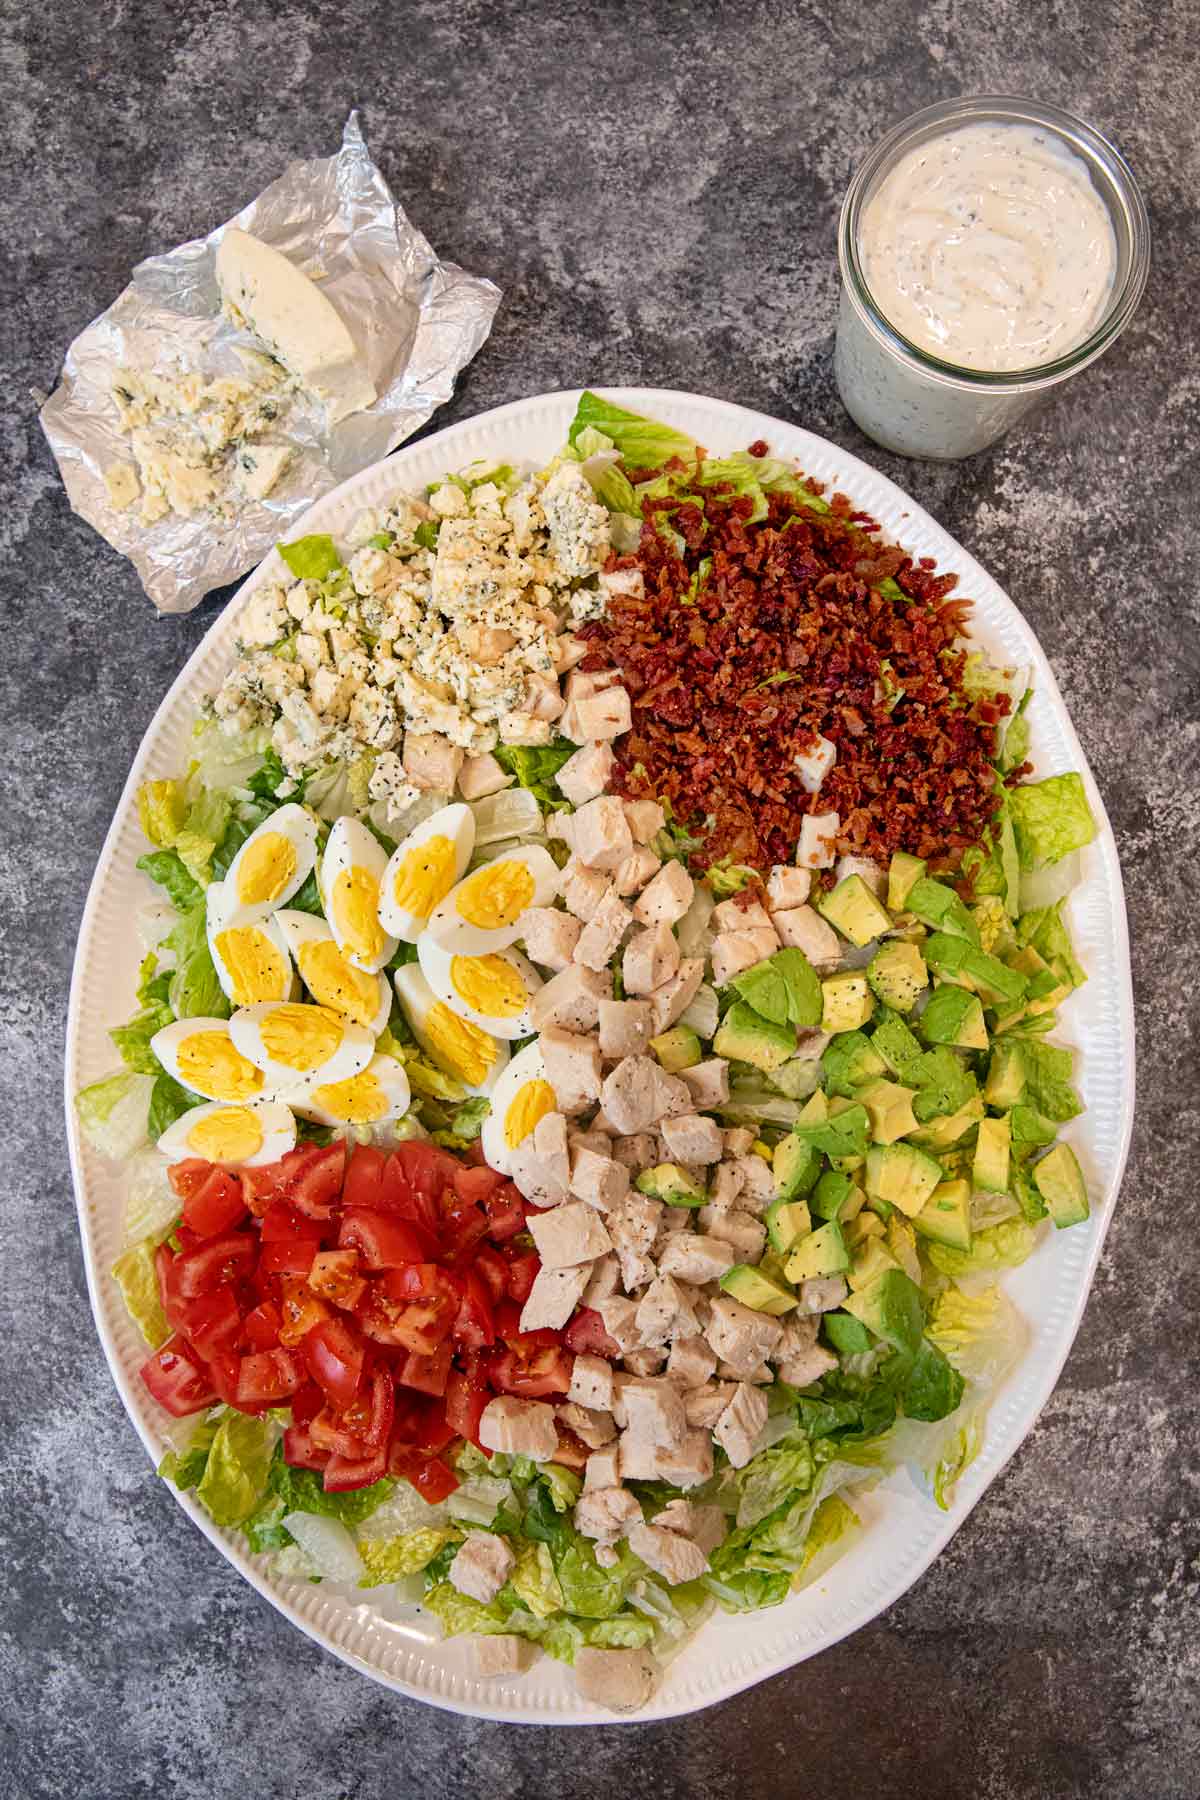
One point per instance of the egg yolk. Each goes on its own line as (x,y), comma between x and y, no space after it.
(531,1102)
(495,895)
(358,1101)
(488,985)
(355,907)
(334,982)
(466,1050)
(209,1062)
(267,865)
(424,877)
(300,1037)
(228,1136)
(255,969)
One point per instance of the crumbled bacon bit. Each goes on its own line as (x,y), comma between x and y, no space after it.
(788,637)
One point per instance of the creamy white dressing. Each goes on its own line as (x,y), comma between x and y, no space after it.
(989,247)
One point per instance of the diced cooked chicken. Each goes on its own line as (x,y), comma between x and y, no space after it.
(621,1680)
(868,871)
(745,1235)
(633,1226)
(735,951)
(759,1374)
(692,1139)
(582,683)
(603,932)
(603,1468)
(631,876)
(481,1565)
(665,1311)
(798,1356)
(584,776)
(501,1653)
(521,1427)
(620,1320)
(573,1069)
(733,915)
(691,1362)
(649,1407)
(758,1183)
(817,848)
(726,1185)
(606,1513)
(553,1297)
(674,1557)
(646,819)
(637,1151)
(550,936)
(667,897)
(811,1045)
(561,825)
(821,1293)
(738,1427)
(591,1425)
(740,1336)
(604,1280)
(804,929)
(648,1359)
(689,1463)
(672,999)
(480,776)
(605,715)
(599,1180)
(571,999)
(814,765)
(591,1383)
(705,1525)
(639,1092)
(707,1082)
(590,1137)
(787,887)
(690,1257)
(602,835)
(737,1140)
(626,1027)
(431,761)
(568,650)
(568,1235)
(583,889)
(704,1405)
(651,958)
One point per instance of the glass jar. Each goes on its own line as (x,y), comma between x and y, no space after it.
(911,401)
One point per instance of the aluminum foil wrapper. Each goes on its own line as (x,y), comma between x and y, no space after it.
(416,321)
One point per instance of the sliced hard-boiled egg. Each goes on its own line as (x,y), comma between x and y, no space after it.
(519,1099)
(352,871)
(273,864)
(484,912)
(202,1055)
(493,991)
(424,868)
(294,1043)
(250,955)
(237,1136)
(329,975)
(473,1057)
(378,1093)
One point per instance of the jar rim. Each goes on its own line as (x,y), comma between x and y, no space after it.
(1116,184)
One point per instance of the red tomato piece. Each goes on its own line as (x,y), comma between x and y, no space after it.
(475,1325)
(282,1224)
(166,1265)
(301,1450)
(300,1311)
(462,1228)
(523,1268)
(260,1327)
(464,1406)
(505,1208)
(334,1355)
(268,1376)
(428,1374)
(417,1173)
(421,1422)
(317,1183)
(473,1185)
(215,1205)
(419,1325)
(343,1473)
(364,1177)
(334,1276)
(178,1380)
(585,1335)
(306,1403)
(369,1419)
(221,1259)
(224,1367)
(423,1281)
(331,1432)
(382,1242)
(212,1321)
(288,1256)
(533,1373)
(188,1176)
(433,1479)
(491,1267)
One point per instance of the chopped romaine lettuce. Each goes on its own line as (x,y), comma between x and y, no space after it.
(387,1559)
(644,443)
(311,558)
(137,1277)
(112,1112)
(1050,818)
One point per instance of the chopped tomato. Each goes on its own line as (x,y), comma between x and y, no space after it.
(585,1335)
(421,1422)
(505,1210)
(334,1354)
(178,1379)
(301,1450)
(212,1321)
(419,1325)
(423,1281)
(300,1310)
(224,1367)
(287,1256)
(187,1176)
(260,1328)
(532,1371)
(381,1241)
(381,1409)
(475,1184)
(268,1376)
(523,1269)
(492,1268)
(462,1228)
(433,1479)
(464,1406)
(428,1374)
(397,1195)
(475,1325)
(334,1275)
(316,1185)
(259,1187)
(306,1403)
(166,1265)
(364,1177)
(213,1206)
(207,1266)
(330,1431)
(343,1473)
(282,1223)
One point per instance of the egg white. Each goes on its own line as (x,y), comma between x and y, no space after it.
(304,933)
(451,928)
(221,919)
(250,1028)
(167,1046)
(299,827)
(354,852)
(440,968)
(418,1001)
(455,826)
(277,1128)
(525,1068)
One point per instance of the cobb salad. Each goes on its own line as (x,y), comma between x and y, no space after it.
(591,1058)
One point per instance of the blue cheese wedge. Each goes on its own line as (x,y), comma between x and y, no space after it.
(259,467)
(280,305)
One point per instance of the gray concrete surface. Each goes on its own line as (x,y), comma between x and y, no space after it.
(655,189)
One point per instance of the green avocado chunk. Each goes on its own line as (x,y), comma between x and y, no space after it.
(1059,1180)
(855,911)
(898,1048)
(754,1289)
(939,907)
(903,871)
(677,1049)
(989,1168)
(824,1252)
(848,1335)
(946,1215)
(957,960)
(849,1060)
(954,1016)
(891,1307)
(795,1165)
(847,1001)
(787,1221)
(670,1183)
(901,1175)
(745,1036)
(897,974)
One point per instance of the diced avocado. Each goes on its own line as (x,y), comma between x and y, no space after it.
(953,1016)
(829,1195)
(846,1132)
(1048,987)
(855,1200)
(796,1165)
(847,1002)
(824,1252)
(1059,1180)
(670,1183)
(902,1175)
(891,1307)
(845,1334)
(866,1225)
(941,1132)
(1005,1077)
(677,1049)
(746,1036)
(847,1165)
(934,1387)
(797,1078)
(754,1289)
(957,960)
(898,1047)
(787,1221)
(939,907)
(903,871)
(815,1110)
(855,911)
(989,1170)
(870,1262)
(1032,1206)
(897,974)
(946,1215)
(889,1108)
(848,1061)
(901,1243)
